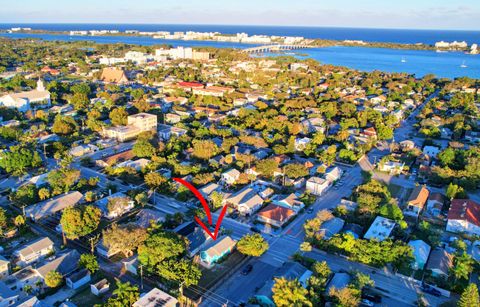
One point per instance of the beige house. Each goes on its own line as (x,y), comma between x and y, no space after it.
(113,75)
(136,124)
(34,251)
(4,267)
(417,200)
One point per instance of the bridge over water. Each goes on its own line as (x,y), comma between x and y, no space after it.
(274,48)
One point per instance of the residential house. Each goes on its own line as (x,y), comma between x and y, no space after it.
(156,298)
(51,206)
(105,251)
(416,201)
(439,262)
(26,276)
(64,264)
(230,176)
(148,216)
(208,189)
(8,297)
(421,251)
(291,201)
(78,279)
(136,124)
(114,75)
(23,100)
(165,132)
(137,165)
(30,301)
(380,229)
(34,251)
(301,143)
(339,281)
(4,267)
(333,174)
(391,167)
(275,215)
(197,240)
(246,201)
(115,205)
(217,250)
(435,204)
(317,186)
(464,217)
(101,287)
(131,265)
(331,227)
(472,137)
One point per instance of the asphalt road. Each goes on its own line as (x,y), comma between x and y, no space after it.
(402,290)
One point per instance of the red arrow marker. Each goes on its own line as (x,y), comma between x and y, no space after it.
(206,208)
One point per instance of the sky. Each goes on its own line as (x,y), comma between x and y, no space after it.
(413,14)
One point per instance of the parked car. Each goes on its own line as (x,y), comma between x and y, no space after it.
(372,297)
(367,303)
(247,269)
(254,229)
(430,290)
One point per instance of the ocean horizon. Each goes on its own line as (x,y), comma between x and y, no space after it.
(404,36)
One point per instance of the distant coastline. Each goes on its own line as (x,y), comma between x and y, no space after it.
(402,36)
(240,38)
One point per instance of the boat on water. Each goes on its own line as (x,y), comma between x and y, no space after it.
(403,60)
(463,65)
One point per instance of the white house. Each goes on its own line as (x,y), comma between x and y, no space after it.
(380,229)
(4,267)
(333,174)
(317,186)
(100,287)
(246,201)
(464,217)
(34,251)
(115,205)
(23,100)
(78,279)
(301,144)
(230,176)
(156,297)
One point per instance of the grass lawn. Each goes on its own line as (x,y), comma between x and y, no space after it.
(213,275)
(86,298)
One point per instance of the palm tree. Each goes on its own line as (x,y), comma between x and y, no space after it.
(126,293)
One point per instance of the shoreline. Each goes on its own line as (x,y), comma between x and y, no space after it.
(223,38)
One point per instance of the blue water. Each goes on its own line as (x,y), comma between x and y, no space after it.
(418,62)
(371,35)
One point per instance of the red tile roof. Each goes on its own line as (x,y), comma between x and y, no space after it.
(190,84)
(276,213)
(465,209)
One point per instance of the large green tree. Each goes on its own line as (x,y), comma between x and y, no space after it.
(160,246)
(288,293)
(80,221)
(252,245)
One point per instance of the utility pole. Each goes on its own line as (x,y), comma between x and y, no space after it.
(141,276)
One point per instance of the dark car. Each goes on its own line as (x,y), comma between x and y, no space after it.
(254,229)
(430,290)
(372,297)
(247,269)
(310,210)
